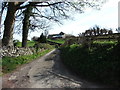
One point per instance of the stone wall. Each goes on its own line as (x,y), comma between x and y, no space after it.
(16,51)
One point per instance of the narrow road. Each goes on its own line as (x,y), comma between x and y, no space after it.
(45,72)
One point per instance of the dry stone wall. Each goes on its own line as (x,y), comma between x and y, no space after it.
(16,51)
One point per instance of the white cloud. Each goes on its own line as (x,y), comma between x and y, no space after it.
(106,17)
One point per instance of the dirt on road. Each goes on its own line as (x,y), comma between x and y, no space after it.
(45,72)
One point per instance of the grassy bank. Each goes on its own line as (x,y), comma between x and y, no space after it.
(61,41)
(29,44)
(11,63)
(105,42)
(101,63)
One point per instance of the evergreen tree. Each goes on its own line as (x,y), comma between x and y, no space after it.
(42,38)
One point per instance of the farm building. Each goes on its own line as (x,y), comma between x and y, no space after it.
(55,36)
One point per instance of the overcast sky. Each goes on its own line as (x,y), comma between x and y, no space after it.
(106,17)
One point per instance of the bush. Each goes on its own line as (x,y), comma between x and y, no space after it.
(42,39)
(16,42)
(101,63)
(42,46)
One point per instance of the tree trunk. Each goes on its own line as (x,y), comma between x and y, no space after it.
(9,25)
(0,27)
(26,23)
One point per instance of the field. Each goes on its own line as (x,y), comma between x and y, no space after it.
(105,42)
(100,63)
(61,41)
(29,43)
(32,43)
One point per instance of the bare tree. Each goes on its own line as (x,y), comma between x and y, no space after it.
(30,24)
(26,22)
(51,10)
(9,24)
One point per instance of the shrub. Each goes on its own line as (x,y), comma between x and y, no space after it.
(16,42)
(42,39)
(42,46)
(101,63)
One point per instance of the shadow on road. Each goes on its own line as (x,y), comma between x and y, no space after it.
(60,70)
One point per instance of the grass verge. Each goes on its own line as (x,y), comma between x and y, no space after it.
(11,63)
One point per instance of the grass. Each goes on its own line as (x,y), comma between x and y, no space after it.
(0,67)
(61,41)
(19,44)
(32,43)
(29,44)
(101,63)
(11,63)
(105,42)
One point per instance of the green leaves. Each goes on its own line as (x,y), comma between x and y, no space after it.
(101,63)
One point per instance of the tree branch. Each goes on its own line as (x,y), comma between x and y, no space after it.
(36,4)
